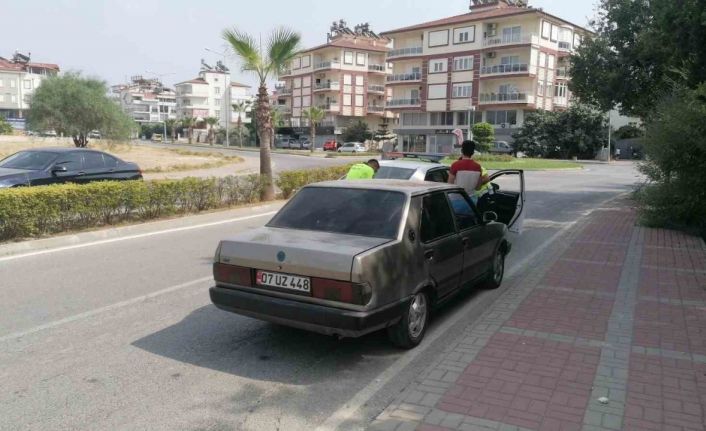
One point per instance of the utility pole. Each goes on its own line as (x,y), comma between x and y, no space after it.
(471,120)
(610,129)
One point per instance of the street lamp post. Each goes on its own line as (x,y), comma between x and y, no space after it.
(226,96)
(471,120)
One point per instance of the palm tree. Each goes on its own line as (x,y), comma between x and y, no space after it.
(212,122)
(277,121)
(282,46)
(314,114)
(241,108)
(189,123)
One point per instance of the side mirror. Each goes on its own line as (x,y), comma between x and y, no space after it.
(59,169)
(495,187)
(489,216)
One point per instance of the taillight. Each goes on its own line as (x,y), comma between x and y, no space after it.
(341,291)
(232,274)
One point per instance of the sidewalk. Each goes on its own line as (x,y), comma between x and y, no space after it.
(609,333)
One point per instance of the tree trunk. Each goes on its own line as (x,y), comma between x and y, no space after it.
(80,140)
(313,138)
(240,130)
(191,135)
(264,124)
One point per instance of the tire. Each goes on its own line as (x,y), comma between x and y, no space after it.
(410,330)
(497,272)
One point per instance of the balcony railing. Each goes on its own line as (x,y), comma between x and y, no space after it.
(398,103)
(405,52)
(376,109)
(562,72)
(501,69)
(510,40)
(327,65)
(561,101)
(404,77)
(286,72)
(376,88)
(564,46)
(284,91)
(519,97)
(333,86)
(376,68)
(331,106)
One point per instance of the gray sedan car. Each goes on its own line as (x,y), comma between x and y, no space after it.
(412,170)
(347,258)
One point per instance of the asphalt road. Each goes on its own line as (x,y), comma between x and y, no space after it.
(121,335)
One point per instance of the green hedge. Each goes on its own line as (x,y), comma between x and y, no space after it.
(291,181)
(36,211)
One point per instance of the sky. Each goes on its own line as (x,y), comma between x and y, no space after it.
(166,39)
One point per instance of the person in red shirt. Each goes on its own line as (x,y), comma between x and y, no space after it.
(466,172)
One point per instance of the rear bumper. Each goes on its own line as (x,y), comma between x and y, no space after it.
(310,317)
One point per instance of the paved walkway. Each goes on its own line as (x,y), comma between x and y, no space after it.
(608,333)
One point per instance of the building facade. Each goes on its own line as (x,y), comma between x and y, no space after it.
(345,77)
(146,100)
(496,63)
(19,78)
(207,96)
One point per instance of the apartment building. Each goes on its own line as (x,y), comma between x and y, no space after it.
(19,78)
(346,77)
(207,95)
(495,63)
(146,100)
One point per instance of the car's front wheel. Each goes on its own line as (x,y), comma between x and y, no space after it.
(497,272)
(410,330)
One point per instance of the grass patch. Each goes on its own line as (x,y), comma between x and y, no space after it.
(507,162)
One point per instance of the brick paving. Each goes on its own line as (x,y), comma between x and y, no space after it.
(605,332)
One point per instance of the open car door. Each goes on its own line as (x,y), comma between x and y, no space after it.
(507,198)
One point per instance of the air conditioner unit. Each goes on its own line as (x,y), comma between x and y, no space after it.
(491,54)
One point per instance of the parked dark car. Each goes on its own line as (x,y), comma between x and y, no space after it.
(44,166)
(348,258)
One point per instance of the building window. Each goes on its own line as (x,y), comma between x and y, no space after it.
(542,59)
(512,34)
(462,90)
(297,83)
(28,84)
(560,90)
(360,59)
(465,34)
(359,80)
(306,61)
(218,90)
(218,102)
(438,38)
(463,63)
(12,83)
(501,117)
(297,63)
(359,100)
(348,57)
(540,88)
(437,91)
(510,60)
(414,119)
(218,113)
(441,119)
(546,30)
(438,66)
(347,79)
(550,61)
(347,100)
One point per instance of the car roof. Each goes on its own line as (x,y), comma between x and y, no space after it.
(59,150)
(407,187)
(411,164)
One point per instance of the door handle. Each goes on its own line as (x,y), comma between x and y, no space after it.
(429,255)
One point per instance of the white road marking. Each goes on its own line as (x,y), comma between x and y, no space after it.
(130,237)
(101,310)
(539,223)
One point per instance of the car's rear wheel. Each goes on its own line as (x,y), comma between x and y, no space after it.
(410,330)
(497,272)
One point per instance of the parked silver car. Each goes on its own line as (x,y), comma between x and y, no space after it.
(347,258)
(412,170)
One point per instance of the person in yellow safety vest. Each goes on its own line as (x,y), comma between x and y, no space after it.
(363,171)
(485,187)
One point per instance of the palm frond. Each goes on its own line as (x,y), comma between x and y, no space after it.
(314,114)
(245,47)
(282,46)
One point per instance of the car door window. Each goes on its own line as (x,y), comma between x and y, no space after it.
(437,176)
(466,217)
(72,161)
(93,161)
(437,220)
(110,162)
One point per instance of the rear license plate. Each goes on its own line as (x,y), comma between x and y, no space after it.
(284,281)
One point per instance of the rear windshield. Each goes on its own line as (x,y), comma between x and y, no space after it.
(391,173)
(373,213)
(30,160)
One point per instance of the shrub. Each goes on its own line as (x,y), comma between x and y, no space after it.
(484,135)
(5,128)
(291,181)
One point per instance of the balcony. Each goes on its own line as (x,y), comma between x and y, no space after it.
(333,64)
(561,101)
(327,86)
(405,52)
(504,69)
(285,72)
(284,91)
(506,98)
(404,103)
(565,46)
(376,109)
(404,77)
(330,106)
(493,42)
(379,68)
(376,89)
(562,73)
